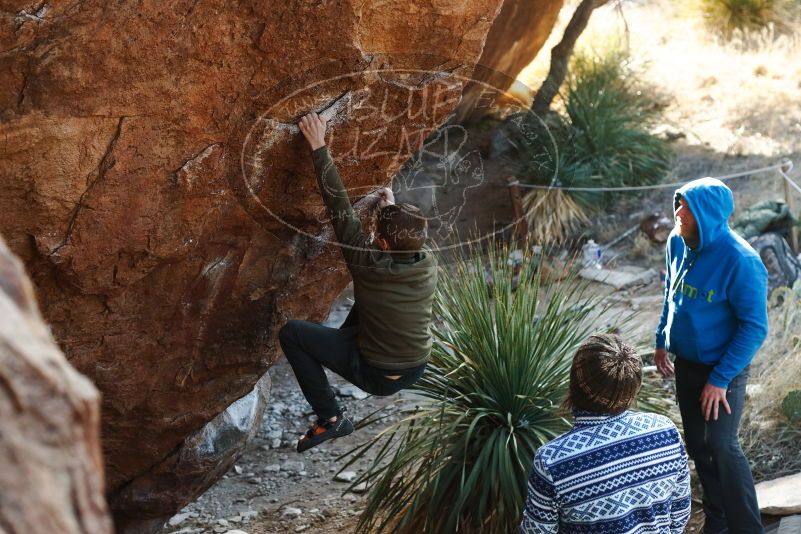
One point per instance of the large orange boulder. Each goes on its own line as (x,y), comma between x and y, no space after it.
(517,35)
(159,193)
(52,474)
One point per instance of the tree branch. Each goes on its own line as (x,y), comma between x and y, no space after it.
(560,55)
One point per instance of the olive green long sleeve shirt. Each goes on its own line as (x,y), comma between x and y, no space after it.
(394,292)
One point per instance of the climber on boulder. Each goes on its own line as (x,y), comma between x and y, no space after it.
(383,345)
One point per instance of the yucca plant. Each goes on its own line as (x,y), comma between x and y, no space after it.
(499,369)
(602,136)
(610,121)
(769,437)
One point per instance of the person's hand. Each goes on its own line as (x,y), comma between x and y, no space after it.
(312,126)
(385,197)
(663,363)
(710,397)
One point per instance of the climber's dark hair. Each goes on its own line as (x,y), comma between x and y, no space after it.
(403,226)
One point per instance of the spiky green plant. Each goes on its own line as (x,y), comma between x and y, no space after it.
(497,374)
(601,138)
(610,121)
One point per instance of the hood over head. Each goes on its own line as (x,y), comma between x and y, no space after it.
(711,203)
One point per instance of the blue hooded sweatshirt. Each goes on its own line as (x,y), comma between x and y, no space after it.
(715,306)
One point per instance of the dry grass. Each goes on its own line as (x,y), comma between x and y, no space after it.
(779,364)
(727,16)
(734,102)
(733,99)
(738,101)
(553,216)
(642,247)
(769,439)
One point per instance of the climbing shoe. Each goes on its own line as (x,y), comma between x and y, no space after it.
(323,430)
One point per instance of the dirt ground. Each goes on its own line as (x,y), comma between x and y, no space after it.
(273,489)
(726,109)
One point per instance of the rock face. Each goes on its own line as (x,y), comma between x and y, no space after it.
(781,496)
(52,474)
(516,36)
(158,191)
(204,456)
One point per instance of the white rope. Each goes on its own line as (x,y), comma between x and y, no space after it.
(778,166)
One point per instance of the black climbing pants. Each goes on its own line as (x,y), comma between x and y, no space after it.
(729,499)
(309,347)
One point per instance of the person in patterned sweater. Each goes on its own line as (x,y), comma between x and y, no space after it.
(616,471)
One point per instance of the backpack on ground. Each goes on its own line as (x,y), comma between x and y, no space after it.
(783,267)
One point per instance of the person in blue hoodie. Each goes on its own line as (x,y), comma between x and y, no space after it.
(714,319)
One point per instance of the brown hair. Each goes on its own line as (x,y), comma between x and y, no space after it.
(605,376)
(403,226)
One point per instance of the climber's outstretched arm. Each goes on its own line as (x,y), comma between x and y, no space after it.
(347,226)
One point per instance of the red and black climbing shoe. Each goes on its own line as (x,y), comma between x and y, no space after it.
(323,430)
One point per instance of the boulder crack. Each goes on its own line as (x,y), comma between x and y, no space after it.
(197,158)
(191,9)
(106,163)
(25,78)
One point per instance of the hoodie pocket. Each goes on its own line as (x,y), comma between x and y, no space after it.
(684,336)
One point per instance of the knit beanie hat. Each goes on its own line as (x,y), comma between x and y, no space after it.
(606,375)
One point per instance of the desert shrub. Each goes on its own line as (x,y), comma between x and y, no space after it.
(600,138)
(610,119)
(497,374)
(728,17)
(643,247)
(769,434)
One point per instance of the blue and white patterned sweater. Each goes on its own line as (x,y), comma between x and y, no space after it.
(618,474)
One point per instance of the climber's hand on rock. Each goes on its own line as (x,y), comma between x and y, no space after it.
(313,128)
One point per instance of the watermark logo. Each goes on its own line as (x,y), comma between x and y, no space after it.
(397,127)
